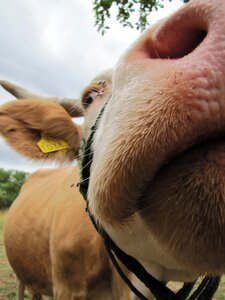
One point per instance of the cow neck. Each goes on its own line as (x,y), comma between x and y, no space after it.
(204,291)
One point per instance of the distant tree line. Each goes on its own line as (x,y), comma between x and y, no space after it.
(10,184)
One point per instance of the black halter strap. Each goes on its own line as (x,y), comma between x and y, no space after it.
(205,290)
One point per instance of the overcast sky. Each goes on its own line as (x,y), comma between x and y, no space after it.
(52,46)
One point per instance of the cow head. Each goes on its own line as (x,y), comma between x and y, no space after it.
(157,181)
(48,119)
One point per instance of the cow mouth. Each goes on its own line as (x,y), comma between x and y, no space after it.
(184,204)
(194,179)
(203,159)
(211,150)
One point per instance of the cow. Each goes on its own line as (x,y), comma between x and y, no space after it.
(50,242)
(156,169)
(157,174)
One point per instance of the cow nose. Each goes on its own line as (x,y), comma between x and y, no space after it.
(186,55)
(180,35)
(186,30)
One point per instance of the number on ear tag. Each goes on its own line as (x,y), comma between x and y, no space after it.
(47,144)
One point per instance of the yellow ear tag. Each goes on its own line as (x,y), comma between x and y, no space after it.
(48,145)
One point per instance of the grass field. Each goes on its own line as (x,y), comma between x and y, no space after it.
(8,279)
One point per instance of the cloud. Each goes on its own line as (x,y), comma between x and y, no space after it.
(52,47)
(46,44)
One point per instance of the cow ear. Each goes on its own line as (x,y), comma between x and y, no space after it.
(40,130)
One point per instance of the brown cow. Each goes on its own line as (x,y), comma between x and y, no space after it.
(157,175)
(50,242)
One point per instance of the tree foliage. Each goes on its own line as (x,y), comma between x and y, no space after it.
(10,184)
(125,9)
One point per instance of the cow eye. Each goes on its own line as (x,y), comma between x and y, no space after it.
(91,92)
(89,97)
(88,100)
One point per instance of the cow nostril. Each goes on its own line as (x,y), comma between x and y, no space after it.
(177,38)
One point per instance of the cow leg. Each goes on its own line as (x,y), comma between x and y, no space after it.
(64,292)
(37,297)
(68,286)
(20,290)
(68,280)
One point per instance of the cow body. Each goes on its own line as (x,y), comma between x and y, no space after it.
(51,244)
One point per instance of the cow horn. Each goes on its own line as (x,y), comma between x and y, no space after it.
(72,106)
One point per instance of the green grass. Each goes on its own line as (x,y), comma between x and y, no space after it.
(2,218)
(8,278)
(219,295)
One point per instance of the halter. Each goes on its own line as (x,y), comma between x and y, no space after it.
(204,291)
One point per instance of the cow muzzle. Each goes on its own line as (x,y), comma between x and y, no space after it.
(159,149)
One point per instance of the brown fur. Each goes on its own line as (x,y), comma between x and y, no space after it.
(52,245)
(157,176)
(63,255)
(23,123)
